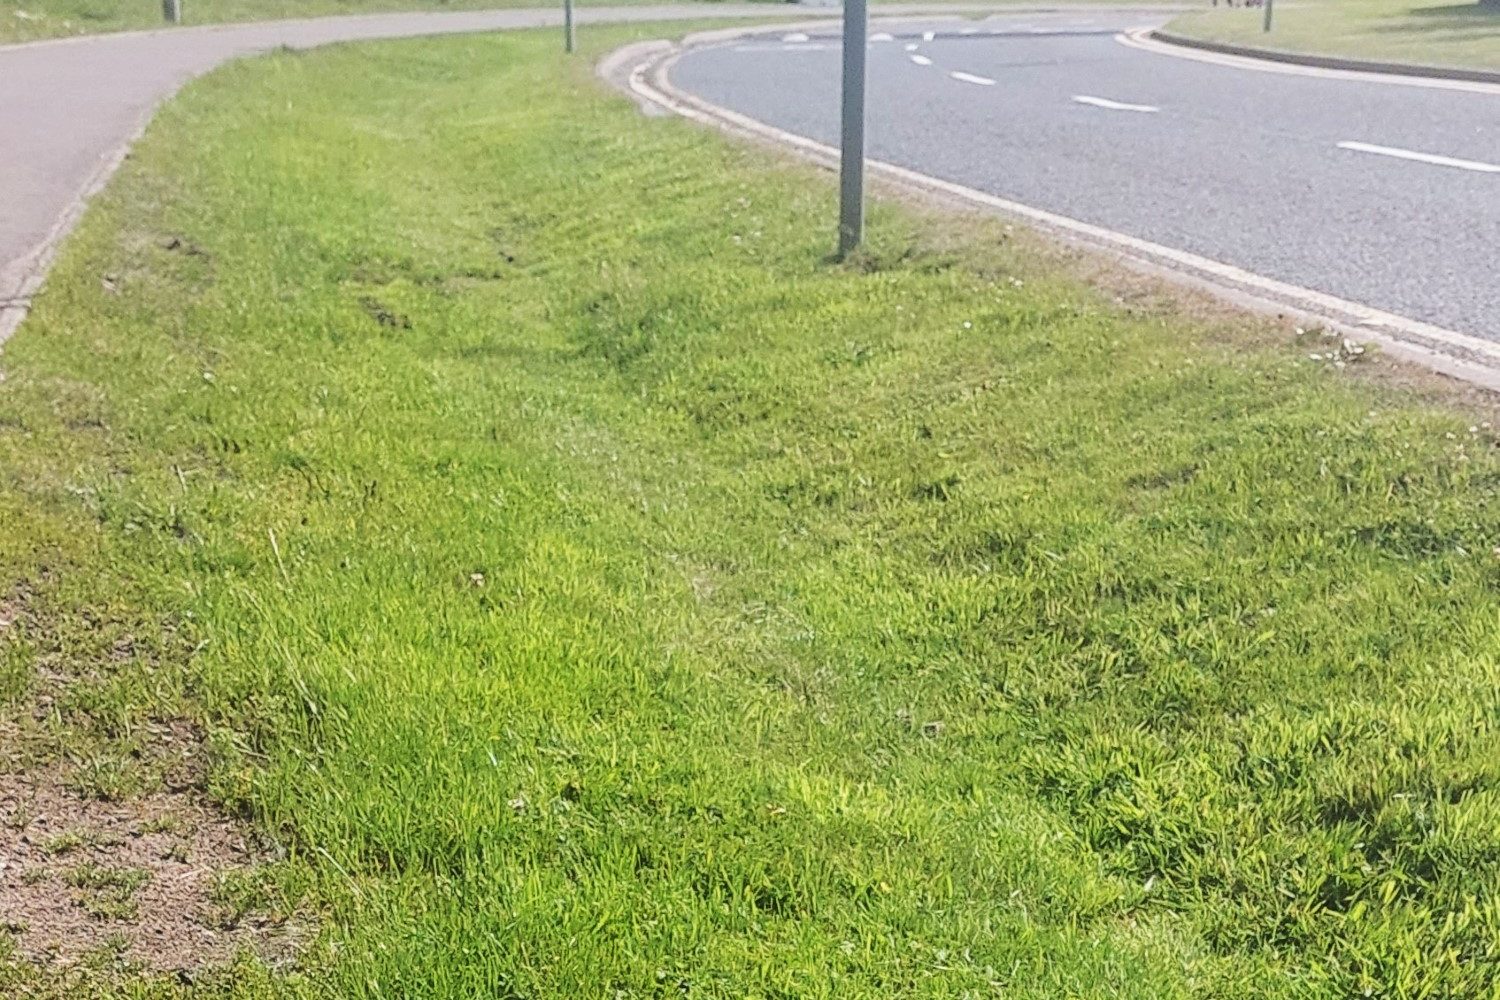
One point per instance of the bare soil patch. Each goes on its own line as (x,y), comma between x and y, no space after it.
(139,878)
(157,880)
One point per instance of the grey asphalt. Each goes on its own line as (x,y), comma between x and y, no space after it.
(68,107)
(1239,166)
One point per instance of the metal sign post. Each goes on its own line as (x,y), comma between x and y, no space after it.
(171,11)
(567,25)
(1266,23)
(852,149)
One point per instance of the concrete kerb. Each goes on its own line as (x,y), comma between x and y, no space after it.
(21,281)
(1145,40)
(1467,358)
(1315,61)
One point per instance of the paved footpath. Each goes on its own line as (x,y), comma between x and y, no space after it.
(70,107)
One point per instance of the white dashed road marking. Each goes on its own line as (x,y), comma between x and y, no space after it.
(1104,102)
(1432,158)
(882,36)
(795,36)
(786,47)
(983,81)
(921,60)
(911,46)
(928,36)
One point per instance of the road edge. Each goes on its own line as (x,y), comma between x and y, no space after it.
(1316,61)
(23,278)
(643,75)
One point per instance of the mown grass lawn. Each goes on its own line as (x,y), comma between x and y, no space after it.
(1436,34)
(596,592)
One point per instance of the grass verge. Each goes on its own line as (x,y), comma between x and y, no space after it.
(1463,35)
(29,20)
(591,590)
(32,20)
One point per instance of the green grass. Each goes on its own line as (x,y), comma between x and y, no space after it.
(107,893)
(599,593)
(1435,34)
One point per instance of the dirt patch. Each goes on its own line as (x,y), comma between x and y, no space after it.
(140,878)
(110,852)
(10,610)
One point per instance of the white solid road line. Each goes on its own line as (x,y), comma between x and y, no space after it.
(1432,158)
(1104,102)
(921,60)
(983,81)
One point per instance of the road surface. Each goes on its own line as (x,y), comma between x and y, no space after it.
(1381,194)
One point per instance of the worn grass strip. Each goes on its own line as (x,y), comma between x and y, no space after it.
(597,592)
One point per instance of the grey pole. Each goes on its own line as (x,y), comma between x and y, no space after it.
(852,150)
(1266,24)
(567,25)
(171,11)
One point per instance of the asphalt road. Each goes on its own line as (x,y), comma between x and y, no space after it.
(69,107)
(1380,194)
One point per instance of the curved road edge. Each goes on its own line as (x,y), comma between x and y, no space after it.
(642,71)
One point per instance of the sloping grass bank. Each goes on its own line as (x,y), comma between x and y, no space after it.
(1464,35)
(596,592)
